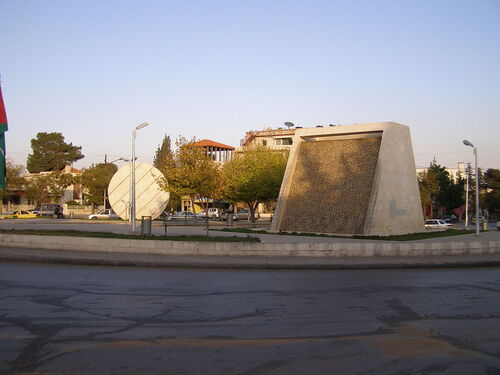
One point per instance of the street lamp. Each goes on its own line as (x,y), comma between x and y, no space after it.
(467,143)
(132,175)
(467,201)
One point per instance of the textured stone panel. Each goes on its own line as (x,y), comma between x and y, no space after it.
(331,186)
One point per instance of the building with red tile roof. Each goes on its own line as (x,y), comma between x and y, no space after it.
(217,151)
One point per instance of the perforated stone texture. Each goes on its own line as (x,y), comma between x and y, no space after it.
(331,186)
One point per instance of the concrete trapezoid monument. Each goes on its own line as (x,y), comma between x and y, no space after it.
(356,179)
(150,198)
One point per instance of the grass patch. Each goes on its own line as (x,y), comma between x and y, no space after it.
(402,237)
(77,233)
(418,236)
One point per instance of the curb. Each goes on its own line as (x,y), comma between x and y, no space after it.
(247,249)
(117,259)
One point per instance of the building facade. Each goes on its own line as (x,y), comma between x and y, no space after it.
(278,139)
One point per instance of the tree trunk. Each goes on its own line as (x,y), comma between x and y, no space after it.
(252,206)
(204,205)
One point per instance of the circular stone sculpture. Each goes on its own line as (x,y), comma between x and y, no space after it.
(150,198)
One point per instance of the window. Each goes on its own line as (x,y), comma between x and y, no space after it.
(264,143)
(283,141)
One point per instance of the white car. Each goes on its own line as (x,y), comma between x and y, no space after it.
(103,214)
(436,224)
(214,213)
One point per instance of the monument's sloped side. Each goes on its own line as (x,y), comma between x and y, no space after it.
(357,179)
(397,208)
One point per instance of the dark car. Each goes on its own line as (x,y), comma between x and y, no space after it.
(449,218)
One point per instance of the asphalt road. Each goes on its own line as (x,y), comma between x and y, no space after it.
(97,320)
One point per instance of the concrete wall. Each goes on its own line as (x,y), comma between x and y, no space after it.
(337,250)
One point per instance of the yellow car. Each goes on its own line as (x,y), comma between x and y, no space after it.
(20,214)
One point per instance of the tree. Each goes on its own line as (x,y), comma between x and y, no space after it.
(51,153)
(48,186)
(492,196)
(164,161)
(194,174)
(469,170)
(96,180)
(164,157)
(57,182)
(447,194)
(37,190)
(14,180)
(254,176)
(429,187)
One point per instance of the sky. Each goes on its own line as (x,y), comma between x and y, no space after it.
(93,70)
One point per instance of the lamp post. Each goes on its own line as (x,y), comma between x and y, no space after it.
(467,202)
(467,143)
(132,175)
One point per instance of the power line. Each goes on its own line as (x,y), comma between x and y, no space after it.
(454,152)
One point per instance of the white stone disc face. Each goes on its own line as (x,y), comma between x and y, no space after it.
(150,198)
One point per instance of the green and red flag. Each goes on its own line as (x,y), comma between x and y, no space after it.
(3,129)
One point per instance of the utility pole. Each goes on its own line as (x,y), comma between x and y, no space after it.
(132,175)
(467,202)
(467,143)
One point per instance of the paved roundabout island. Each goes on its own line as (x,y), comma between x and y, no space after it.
(274,250)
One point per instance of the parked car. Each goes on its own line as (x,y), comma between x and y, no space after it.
(19,214)
(449,218)
(436,224)
(201,214)
(103,214)
(241,214)
(214,213)
(183,215)
(46,209)
(481,219)
(6,213)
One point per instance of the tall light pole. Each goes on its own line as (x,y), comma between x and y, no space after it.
(467,143)
(132,175)
(467,202)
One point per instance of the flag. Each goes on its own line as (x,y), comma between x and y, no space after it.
(3,129)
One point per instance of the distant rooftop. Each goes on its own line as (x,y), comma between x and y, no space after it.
(209,143)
